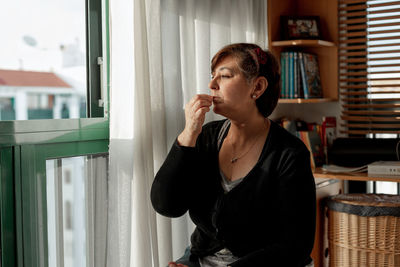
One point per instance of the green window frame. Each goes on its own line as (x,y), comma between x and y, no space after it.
(25,146)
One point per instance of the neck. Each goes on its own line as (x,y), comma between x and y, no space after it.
(244,131)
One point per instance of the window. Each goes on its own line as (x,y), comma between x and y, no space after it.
(369,58)
(28,94)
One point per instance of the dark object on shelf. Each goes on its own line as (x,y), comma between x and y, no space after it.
(354,152)
(300,27)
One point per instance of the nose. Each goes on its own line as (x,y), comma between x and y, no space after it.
(213,85)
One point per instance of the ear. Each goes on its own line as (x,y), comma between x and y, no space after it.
(260,85)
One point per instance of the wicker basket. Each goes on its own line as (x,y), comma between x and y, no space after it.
(364,230)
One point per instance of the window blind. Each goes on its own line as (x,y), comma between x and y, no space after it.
(369,66)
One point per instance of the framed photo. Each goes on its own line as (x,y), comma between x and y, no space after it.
(300,27)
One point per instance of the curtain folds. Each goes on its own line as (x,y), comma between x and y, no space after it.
(160,58)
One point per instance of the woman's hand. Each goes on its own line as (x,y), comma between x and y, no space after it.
(174,264)
(195,113)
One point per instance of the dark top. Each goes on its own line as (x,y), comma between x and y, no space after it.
(266,220)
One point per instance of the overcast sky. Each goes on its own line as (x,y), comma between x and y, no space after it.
(51,23)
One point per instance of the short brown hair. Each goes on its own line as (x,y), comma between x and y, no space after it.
(248,62)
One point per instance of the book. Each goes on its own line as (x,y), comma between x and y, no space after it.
(303,77)
(299,88)
(291,75)
(283,74)
(316,144)
(328,133)
(287,75)
(304,136)
(295,74)
(312,76)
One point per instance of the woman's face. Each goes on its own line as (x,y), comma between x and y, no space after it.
(230,89)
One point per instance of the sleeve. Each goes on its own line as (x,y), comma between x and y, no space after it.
(296,218)
(174,184)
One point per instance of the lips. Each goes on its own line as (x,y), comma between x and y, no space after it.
(217,100)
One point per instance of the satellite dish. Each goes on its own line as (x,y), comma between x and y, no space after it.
(29,40)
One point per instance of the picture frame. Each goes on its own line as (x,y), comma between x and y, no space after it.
(300,27)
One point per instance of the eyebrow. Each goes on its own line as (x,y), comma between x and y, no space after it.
(224,68)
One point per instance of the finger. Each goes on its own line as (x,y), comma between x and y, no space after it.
(205,96)
(200,113)
(200,97)
(172,264)
(200,104)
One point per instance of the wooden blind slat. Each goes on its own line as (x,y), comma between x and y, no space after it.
(374,112)
(370,118)
(358,132)
(365,86)
(364,40)
(384,31)
(346,47)
(384,38)
(353,14)
(343,22)
(371,106)
(367,112)
(352,1)
(353,80)
(372,125)
(385,18)
(353,34)
(372,5)
(365,13)
(347,27)
(351,41)
(352,21)
(353,7)
(365,73)
(352,47)
(383,45)
(355,73)
(363,60)
(371,100)
(364,6)
(383,52)
(361,93)
(353,67)
(384,11)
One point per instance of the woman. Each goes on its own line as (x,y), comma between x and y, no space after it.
(246,182)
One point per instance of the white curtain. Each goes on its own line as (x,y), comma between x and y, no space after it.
(160,58)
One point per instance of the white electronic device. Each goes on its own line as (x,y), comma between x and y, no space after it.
(384,168)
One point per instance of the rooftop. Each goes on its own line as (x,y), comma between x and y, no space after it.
(31,78)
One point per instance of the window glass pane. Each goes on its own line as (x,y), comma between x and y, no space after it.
(76,190)
(42,59)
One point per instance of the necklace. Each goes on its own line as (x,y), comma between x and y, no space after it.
(234,159)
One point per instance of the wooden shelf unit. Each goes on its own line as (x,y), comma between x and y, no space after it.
(325,49)
(305,43)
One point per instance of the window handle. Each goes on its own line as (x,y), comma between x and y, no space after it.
(100,63)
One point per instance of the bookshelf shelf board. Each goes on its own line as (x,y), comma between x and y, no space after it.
(302,100)
(312,43)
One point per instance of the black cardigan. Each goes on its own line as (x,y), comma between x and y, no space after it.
(266,220)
